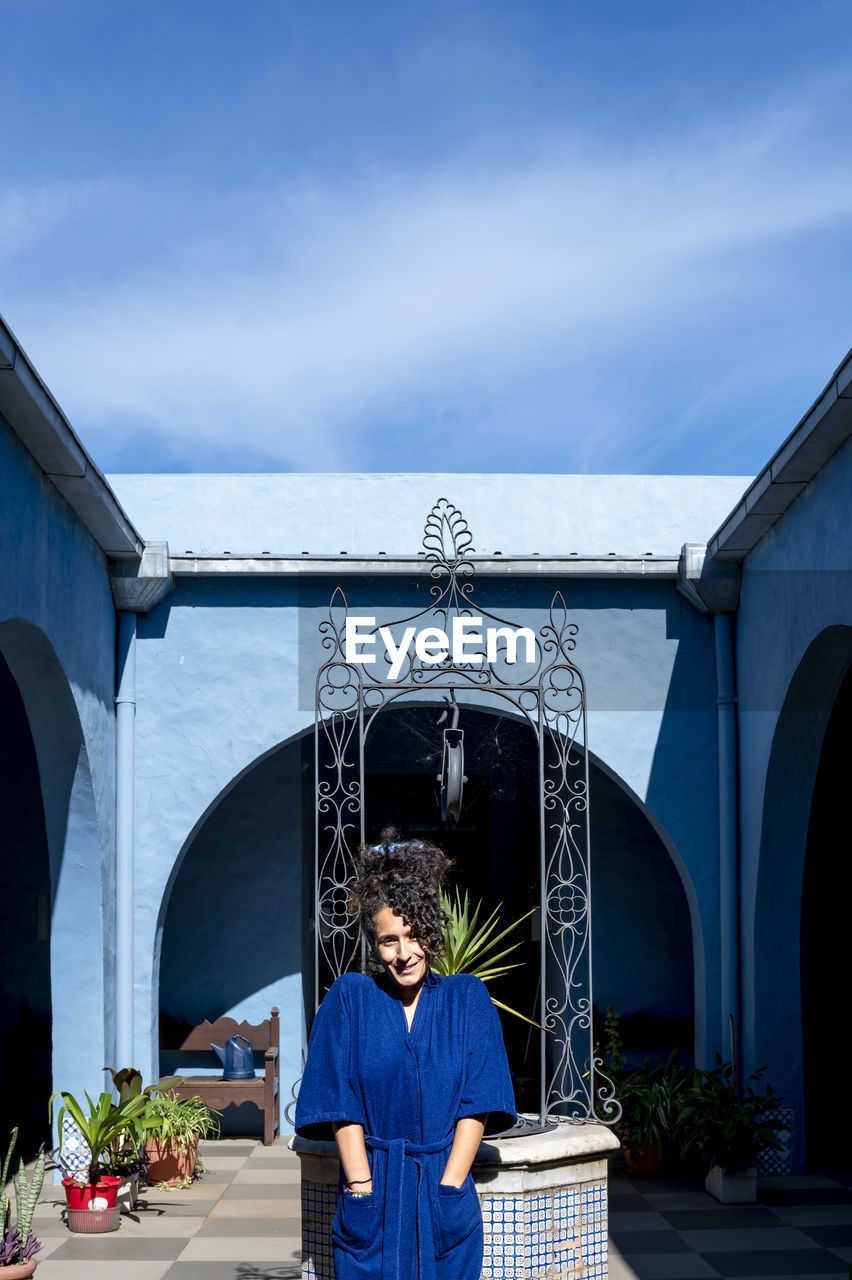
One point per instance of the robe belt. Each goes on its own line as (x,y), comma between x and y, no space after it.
(398,1150)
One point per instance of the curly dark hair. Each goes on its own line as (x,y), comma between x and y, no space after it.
(406,876)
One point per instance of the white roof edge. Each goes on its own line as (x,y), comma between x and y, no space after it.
(35,417)
(819,434)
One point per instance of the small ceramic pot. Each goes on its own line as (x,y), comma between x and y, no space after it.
(739,1187)
(19,1270)
(128,1193)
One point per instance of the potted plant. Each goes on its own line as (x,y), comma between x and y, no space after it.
(174,1126)
(125,1157)
(652,1099)
(727,1124)
(92,1201)
(18,1245)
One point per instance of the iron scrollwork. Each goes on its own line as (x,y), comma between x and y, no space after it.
(548,691)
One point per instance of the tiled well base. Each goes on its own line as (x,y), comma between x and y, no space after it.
(544,1205)
(541,1235)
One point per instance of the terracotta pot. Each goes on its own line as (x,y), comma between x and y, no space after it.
(86,1196)
(644,1162)
(170,1165)
(19,1270)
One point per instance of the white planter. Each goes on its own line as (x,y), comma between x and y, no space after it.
(732,1188)
(128,1193)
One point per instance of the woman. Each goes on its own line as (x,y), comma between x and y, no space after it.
(405,1068)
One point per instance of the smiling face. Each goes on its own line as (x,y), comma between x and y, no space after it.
(404,957)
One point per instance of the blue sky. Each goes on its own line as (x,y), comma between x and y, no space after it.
(409,236)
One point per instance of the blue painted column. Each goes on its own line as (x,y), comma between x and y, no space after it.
(125,752)
(729,897)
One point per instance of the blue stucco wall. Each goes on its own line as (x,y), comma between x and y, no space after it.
(792,651)
(57,635)
(225,668)
(366,514)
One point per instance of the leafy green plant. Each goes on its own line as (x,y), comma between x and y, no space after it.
(471,947)
(18,1244)
(105,1125)
(177,1123)
(653,1099)
(128,1083)
(126,1155)
(727,1122)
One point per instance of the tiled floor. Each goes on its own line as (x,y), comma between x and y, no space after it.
(800,1227)
(240,1221)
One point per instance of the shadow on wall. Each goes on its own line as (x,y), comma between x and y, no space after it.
(683,792)
(232,936)
(642,942)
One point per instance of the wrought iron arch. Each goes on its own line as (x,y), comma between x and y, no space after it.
(549,692)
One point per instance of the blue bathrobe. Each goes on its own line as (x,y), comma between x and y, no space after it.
(407,1089)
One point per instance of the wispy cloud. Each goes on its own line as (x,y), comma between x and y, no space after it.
(307,323)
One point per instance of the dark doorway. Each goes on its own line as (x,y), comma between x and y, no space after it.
(25,1008)
(825,959)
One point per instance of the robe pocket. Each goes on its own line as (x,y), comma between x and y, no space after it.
(456,1215)
(355,1222)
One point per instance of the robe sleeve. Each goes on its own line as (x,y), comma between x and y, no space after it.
(327,1092)
(487,1083)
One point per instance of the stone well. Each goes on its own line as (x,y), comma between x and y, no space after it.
(543,1197)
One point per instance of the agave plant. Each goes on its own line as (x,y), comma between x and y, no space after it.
(471,947)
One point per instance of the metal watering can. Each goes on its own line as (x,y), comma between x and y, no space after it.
(237,1058)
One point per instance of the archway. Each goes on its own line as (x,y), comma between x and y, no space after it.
(825,968)
(25,1003)
(232,920)
(60,882)
(789,805)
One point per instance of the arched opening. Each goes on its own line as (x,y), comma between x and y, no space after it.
(232,926)
(71,923)
(25,1000)
(791,980)
(825,968)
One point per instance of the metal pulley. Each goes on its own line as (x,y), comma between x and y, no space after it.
(452,777)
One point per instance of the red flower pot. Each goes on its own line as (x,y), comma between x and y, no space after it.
(80,1195)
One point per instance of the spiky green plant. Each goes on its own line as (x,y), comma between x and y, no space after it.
(178,1122)
(471,947)
(20,1245)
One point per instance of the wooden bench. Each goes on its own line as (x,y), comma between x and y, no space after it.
(264,1090)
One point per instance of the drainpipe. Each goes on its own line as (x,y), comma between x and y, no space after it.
(729,853)
(138,585)
(125,749)
(713,588)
